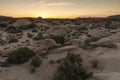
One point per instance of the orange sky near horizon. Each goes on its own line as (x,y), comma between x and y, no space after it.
(59,8)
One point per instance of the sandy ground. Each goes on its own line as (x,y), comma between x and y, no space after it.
(108,59)
(108,66)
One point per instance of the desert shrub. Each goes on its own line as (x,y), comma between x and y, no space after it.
(83,28)
(2,41)
(36,61)
(32,70)
(34,30)
(3,25)
(26,27)
(91,39)
(12,40)
(72,69)
(20,55)
(4,64)
(29,35)
(38,37)
(58,39)
(13,29)
(51,61)
(94,63)
(59,61)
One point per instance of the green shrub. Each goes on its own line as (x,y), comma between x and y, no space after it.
(51,61)
(3,25)
(4,64)
(13,29)
(20,55)
(94,63)
(82,29)
(29,35)
(34,30)
(26,27)
(12,40)
(38,37)
(72,69)
(59,61)
(32,70)
(36,61)
(58,39)
(2,42)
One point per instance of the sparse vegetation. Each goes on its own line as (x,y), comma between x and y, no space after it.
(20,55)
(34,30)
(38,37)
(51,61)
(2,41)
(29,35)
(72,69)
(3,25)
(31,26)
(13,29)
(36,61)
(51,39)
(4,64)
(12,40)
(58,39)
(32,70)
(94,63)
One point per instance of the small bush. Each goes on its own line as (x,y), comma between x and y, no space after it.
(58,39)
(13,29)
(82,29)
(38,37)
(26,27)
(29,35)
(2,42)
(4,64)
(94,63)
(12,40)
(32,70)
(51,61)
(20,55)
(3,25)
(59,60)
(34,30)
(36,61)
(72,69)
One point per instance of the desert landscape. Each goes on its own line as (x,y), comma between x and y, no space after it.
(47,42)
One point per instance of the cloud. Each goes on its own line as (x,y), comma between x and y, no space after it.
(58,4)
(46,3)
(35,4)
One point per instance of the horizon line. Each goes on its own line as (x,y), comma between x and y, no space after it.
(82,16)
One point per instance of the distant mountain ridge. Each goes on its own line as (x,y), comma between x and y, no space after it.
(4,17)
(114,16)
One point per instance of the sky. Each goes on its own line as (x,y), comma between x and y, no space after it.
(59,8)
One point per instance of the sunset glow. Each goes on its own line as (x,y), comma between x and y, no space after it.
(59,8)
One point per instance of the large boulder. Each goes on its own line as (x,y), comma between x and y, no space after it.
(107,76)
(104,42)
(58,30)
(48,43)
(22,22)
(71,48)
(109,41)
(108,65)
(78,42)
(98,33)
